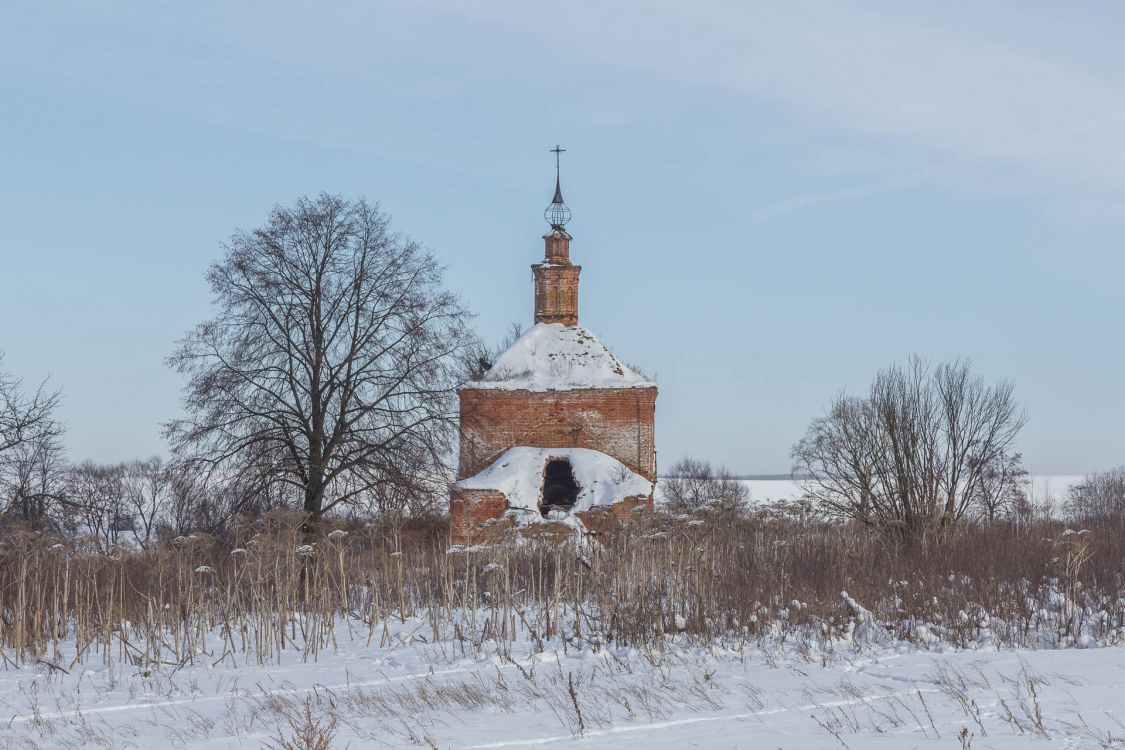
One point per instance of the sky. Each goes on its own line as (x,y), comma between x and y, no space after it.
(771,201)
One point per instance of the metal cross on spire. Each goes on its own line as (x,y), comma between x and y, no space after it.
(557,214)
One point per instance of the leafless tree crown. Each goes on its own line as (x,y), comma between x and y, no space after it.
(25,418)
(331,362)
(31,458)
(693,484)
(1098,496)
(925,447)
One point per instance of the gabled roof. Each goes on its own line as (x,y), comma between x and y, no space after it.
(553,356)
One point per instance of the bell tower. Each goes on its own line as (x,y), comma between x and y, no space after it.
(556,278)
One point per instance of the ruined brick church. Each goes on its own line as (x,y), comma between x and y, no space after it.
(557,428)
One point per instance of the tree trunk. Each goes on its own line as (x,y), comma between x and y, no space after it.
(314,502)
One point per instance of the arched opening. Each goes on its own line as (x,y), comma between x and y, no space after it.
(560,491)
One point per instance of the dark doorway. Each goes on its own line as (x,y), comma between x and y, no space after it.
(560,491)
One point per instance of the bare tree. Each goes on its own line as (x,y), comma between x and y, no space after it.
(186,492)
(25,418)
(32,481)
(409,487)
(206,501)
(923,448)
(31,456)
(147,490)
(1098,496)
(478,357)
(1003,490)
(196,506)
(332,359)
(692,484)
(95,505)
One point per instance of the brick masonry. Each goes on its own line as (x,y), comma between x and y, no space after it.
(556,246)
(616,421)
(469,510)
(556,281)
(477,516)
(619,422)
(556,293)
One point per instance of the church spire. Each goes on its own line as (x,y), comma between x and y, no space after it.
(557,214)
(556,278)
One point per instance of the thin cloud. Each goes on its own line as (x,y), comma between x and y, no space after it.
(1006,117)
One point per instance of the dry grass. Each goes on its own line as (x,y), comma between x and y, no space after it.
(741,579)
(310,726)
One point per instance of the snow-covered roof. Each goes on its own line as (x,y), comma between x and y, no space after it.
(553,356)
(518,473)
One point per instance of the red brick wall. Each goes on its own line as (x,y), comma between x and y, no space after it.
(556,294)
(556,247)
(470,509)
(616,421)
(605,520)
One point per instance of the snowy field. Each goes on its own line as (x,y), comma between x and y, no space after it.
(404,685)
(1042,488)
(408,693)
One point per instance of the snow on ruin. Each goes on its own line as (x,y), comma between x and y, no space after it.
(553,356)
(518,473)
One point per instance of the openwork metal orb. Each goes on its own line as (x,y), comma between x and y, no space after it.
(557,214)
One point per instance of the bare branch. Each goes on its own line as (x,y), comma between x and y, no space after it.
(332,361)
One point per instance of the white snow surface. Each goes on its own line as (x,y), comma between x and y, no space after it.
(1044,490)
(408,693)
(518,473)
(556,357)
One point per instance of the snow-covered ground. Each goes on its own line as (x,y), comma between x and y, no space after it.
(408,693)
(1042,488)
(408,687)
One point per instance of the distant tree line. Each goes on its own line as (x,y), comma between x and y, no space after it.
(143,503)
(1098,496)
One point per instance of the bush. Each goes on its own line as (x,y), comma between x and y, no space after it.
(925,448)
(1098,496)
(692,484)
